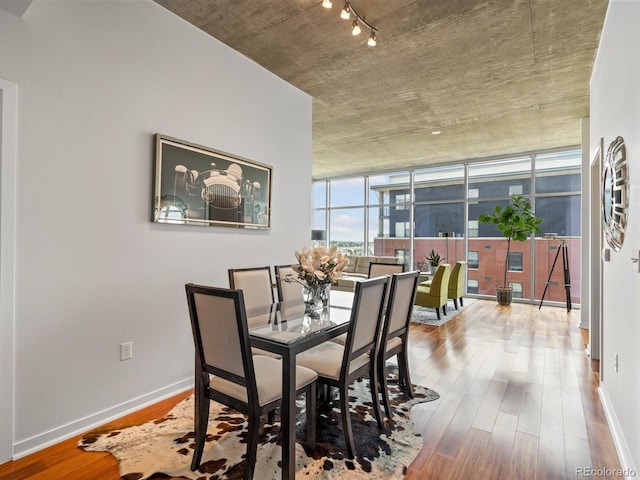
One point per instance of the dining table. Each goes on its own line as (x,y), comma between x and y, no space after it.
(287,329)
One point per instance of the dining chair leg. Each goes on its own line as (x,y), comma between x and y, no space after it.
(444,309)
(323,393)
(438,312)
(404,371)
(401,375)
(375,399)
(252,446)
(455,303)
(346,420)
(461,304)
(201,421)
(382,375)
(311,415)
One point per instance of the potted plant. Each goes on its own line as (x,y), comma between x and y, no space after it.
(434,258)
(516,221)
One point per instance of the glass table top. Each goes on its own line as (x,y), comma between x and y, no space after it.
(286,322)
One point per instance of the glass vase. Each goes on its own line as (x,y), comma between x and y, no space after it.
(316,298)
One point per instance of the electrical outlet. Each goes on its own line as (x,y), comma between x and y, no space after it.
(126,351)
(615,363)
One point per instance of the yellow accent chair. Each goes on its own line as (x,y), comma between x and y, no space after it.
(434,293)
(456,283)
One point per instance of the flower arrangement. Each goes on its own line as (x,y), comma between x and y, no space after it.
(320,265)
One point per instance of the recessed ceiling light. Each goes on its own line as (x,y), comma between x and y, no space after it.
(436,132)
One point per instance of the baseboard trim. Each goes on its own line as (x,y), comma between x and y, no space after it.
(77,427)
(626,461)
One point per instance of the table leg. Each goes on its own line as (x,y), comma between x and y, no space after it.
(288,416)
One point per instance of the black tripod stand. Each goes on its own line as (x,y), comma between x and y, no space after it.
(567,277)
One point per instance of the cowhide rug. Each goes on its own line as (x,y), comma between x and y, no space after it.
(163,448)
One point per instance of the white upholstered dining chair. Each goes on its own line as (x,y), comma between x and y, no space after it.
(340,365)
(394,336)
(379,269)
(256,283)
(227,372)
(257,286)
(287,290)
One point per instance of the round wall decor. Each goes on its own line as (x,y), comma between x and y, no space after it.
(615,193)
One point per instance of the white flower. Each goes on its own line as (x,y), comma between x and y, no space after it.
(319,265)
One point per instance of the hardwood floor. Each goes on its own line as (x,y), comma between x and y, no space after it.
(518,401)
(518,396)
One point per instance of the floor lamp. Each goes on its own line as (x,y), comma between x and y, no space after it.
(318,236)
(446,236)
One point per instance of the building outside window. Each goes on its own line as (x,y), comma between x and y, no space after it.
(517,289)
(515,261)
(472,259)
(473,228)
(402,199)
(403,255)
(381,215)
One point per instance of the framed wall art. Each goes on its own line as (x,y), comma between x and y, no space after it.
(196,185)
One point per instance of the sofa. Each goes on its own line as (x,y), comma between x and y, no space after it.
(358,270)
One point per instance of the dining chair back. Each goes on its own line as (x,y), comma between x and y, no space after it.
(340,365)
(394,336)
(226,372)
(287,290)
(256,283)
(377,269)
(365,318)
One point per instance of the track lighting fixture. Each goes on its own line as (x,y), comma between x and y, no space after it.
(346,13)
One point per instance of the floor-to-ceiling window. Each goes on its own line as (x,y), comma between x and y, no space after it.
(389,210)
(345,214)
(410,213)
(557,180)
(439,210)
(490,184)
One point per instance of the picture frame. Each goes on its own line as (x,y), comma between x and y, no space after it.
(198,185)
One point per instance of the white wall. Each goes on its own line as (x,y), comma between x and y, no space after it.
(95,81)
(615,110)
(8,140)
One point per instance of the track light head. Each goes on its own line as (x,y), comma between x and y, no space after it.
(355,30)
(346,11)
(327,3)
(373,41)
